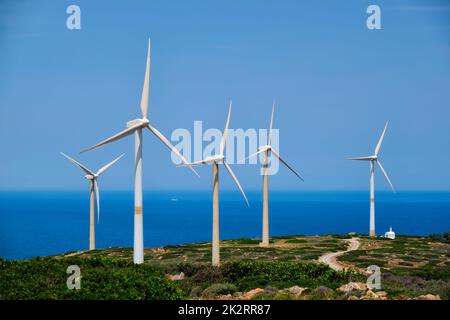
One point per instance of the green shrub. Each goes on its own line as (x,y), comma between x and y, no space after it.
(101,278)
(296,241)
(311,256)
(219,289)
(245,241)
(207,274)
(283,295)
(287,237)
(342,236)
(440,237)
(322,293)
(251,274)
(404,286)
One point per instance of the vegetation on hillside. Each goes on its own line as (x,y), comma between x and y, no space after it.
(246,275)
(288,269)
(410,266)
(101,278)
(441,237)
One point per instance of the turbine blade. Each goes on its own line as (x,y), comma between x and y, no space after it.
(269,135)
(196,163)
(360,158)
(97,195)
(146,86)
(225,131)
(85,169)
(104,168)
(285,163)
(380,141)
(254,154)
(115,137)
(236,181)
(164,140)
(386,175)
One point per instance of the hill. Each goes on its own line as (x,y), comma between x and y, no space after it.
(411,267)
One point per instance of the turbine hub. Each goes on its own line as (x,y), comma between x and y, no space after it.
(143,122)
(218,157)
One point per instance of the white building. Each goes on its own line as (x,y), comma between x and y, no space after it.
(390,234)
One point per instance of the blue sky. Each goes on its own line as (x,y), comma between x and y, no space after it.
(336,83)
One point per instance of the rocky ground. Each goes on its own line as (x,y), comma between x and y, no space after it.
(350,291)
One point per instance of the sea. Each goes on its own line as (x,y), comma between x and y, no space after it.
(53,222)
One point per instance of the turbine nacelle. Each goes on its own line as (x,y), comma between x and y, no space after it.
(90,177)
(143,122)
(368,158)
(215,158)
(265,148)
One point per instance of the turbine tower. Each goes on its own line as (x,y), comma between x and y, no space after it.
(93,177)
(215,160)
(267,149)
(136,126)
(374,159)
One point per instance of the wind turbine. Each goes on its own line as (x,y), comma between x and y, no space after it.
(267,149)
(374,159)
(136,126)
(215,160)
(93,177)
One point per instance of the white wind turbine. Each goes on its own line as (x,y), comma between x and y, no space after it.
(215,160)
(93,177)
(136,126)
(267,149)
(374,159)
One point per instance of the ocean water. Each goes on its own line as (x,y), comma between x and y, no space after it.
(44,223)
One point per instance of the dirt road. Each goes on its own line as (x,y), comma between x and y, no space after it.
(330,258)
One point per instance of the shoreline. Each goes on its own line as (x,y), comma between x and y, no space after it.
(256,239)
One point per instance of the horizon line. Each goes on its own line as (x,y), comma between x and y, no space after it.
(225,190)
